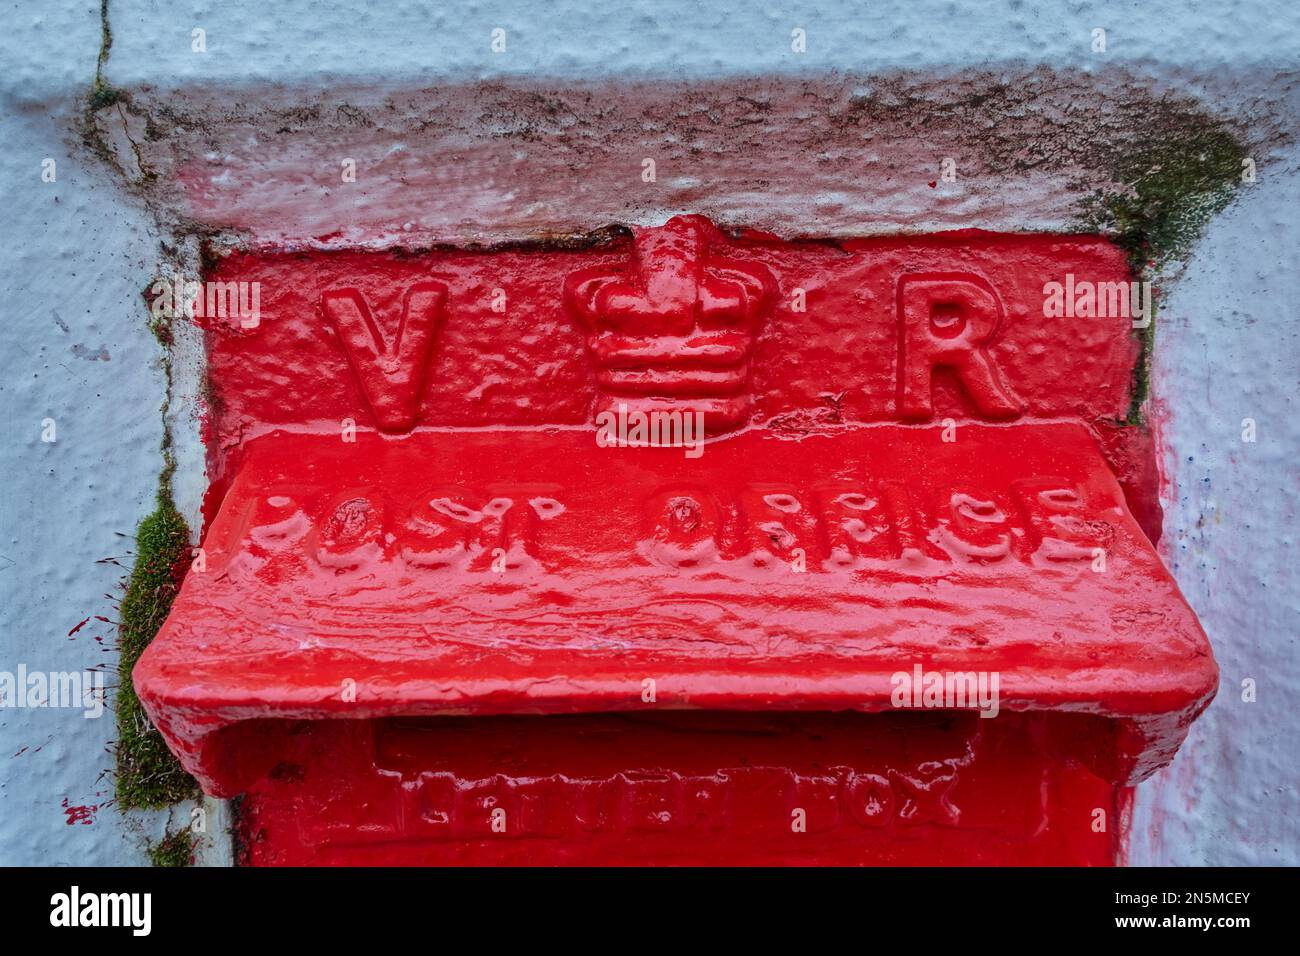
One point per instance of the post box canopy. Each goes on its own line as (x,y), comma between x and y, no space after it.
(503,571)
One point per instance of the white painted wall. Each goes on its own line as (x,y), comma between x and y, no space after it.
(79,252)
(251,42)
(1228,349)
(74,348)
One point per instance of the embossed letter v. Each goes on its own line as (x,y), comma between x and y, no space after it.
(390,373)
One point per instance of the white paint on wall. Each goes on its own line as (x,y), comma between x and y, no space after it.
(1228,350)
(248,43)
(73,348)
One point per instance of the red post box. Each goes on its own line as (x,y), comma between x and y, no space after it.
(684,547)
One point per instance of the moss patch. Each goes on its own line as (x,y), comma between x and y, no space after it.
(103,94)
(148,776)
(1172,186)
(175,849)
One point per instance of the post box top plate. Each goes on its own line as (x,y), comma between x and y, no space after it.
(532,572)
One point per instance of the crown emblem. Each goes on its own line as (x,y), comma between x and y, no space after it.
(673,330)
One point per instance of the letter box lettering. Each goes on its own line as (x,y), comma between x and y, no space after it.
(948,322)
(388,365)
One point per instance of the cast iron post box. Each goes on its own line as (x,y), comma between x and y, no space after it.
(682,546)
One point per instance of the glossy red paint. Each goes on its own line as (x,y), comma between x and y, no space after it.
(533,572)
(683,788)
(442,580)
(511,350)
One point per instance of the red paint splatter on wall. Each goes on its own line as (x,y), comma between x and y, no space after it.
(83,814)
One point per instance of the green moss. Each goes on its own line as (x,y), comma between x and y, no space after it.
(105,44)
(101,96)
(1173,182)
(1141,387)
(1172,189)
(148,776)
(175,849)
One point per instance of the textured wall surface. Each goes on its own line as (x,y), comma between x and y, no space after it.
(574,38)
(1227,350)
(74,350)
(857,127)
